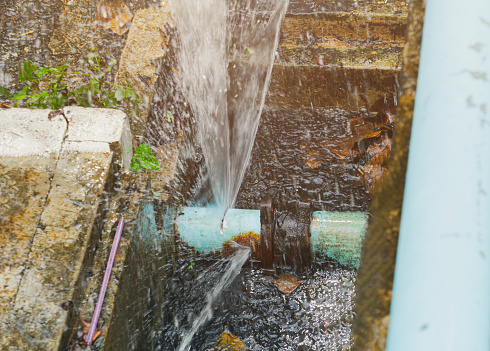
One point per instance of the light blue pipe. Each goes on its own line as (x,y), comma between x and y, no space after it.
(199,227)
(441,293)
(336,235)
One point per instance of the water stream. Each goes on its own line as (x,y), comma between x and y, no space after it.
(232,271)
(226,51)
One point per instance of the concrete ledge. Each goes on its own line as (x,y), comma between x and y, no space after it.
(363,6)
(56,171)
(89,126)
(25,132)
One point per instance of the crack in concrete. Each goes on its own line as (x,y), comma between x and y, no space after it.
(44,202)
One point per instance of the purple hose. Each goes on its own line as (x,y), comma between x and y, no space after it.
(103,288)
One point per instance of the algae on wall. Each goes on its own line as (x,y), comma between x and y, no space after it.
(375,279)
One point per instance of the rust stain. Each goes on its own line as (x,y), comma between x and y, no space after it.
(249,239)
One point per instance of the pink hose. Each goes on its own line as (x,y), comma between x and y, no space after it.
(103,288)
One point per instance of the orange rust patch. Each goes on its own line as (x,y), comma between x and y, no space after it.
(249,239)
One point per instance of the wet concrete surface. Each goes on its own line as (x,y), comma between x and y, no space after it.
(37,319)
(317,315)
(24,185)
(292,159)
(53,195)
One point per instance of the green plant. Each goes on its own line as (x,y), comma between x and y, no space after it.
(45,87)
(94,94)
(143,159)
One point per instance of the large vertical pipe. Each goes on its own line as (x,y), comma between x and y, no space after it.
(441,293)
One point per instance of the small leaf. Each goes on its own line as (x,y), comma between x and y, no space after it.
(5,93)
(143,159)
(20,94)
(135,166)
(119,93)
(34,98)
(26,71)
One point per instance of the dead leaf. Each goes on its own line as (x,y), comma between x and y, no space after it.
(377,165)
(85,326)
(228,342)
(114,15)
(287,283)
(378,148)
(96,335)
(175,71)
(372,134)
(85,329)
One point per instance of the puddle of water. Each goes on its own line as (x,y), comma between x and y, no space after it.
(316,316)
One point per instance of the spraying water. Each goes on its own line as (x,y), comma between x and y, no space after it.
(236,263)
(226,51)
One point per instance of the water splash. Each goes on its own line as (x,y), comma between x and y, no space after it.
(226,51)
(236,263)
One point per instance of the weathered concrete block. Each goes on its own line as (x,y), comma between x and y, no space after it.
(58,250)
(25,132)
(24,186)
(55,176)
(94,126)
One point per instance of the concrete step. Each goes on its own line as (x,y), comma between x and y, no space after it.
(348,27)
(368,6)
(349,88)
(344,55)
(337,53)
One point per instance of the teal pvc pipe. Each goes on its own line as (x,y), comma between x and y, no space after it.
(336,235)
(200,226)
(441,293)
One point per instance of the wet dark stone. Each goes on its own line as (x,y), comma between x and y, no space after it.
(254,310)
(278,168)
